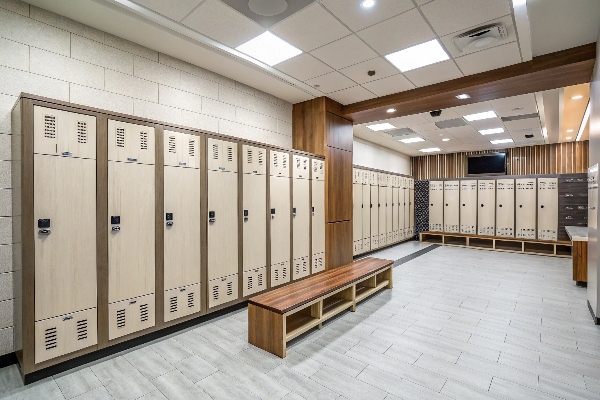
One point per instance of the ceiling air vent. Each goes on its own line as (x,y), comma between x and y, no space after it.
(396,133)
(480,38)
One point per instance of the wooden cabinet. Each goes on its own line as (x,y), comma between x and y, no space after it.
(254,221)
(547,215)
(357,222)
(436,206)
(181,302)
(63,133)
(222,155)
(131,315)
(505,207)
(280,164)
(468,207)
(254,160)
(525,208)
(451,206)
(130,142)
(486,215)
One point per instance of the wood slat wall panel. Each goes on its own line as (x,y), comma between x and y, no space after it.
(556,158)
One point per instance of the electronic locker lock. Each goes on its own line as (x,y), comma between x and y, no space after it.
(272,213)
(294,212)
(67,153)
(211,216)
(245,215)
(542,206)
(44,226)
(313,211)
(131,159)
(169,218)
(115,220)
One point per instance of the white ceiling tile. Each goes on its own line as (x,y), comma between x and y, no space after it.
(406,121)
(517,110)
(331,82)
(359,72)
(424,127)
(521,124)
(344,52)
(462,131)
(489,123)
(447,16)
(473,108)
(514,101)
(303,67)
(392,84)
(310,28)
(421,2)
(398,33)
(222,23)
(436,73)
(357,17)
(174,9)
(487,60)
(351,95)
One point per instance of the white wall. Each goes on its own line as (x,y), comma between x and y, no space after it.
(45,54)
(371,155)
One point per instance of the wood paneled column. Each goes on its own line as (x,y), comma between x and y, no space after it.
(319,128)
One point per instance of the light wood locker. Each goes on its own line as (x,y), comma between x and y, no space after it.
(301,215)
(406,210)
(468,207)
(65,334)
(436,206)
(374,206)
(63,133)
(364,177)
(486,210)
(318,170)
(401,210)
(181,150)
(181,227)
(280,164)
(255,280)
(357,223)
(131,232)
(280,220)
(411,212)
(373,178)
(222,290)
(505,207)
(389,215)
(547,215)
(395,214)
(254,160)
(254,217)
(451,206)
(382,207)
(131,315)
(318,226)
(181,302)
(356,176)
(280,273)
(301,169)
(525,208)
(130,142)
(222,155)
(366,213)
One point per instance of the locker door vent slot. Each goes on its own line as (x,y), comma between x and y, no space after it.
(172,144)
(82,132)
(121,319)
(192,147)
(229,153)
(284,273)
(260,280)
(250,283)
(143,312)
(215,151)
(82,329)
(275,160)
(276,274)
(249,156)
(260,157)
(120,137)
(191,300)
(229,288)
(215,292)
(50,338)
(50,126)
(173,304)
(144,140)
(284,162)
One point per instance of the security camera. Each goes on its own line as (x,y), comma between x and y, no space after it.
(435,113)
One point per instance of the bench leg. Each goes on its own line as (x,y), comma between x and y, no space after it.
(266,330)
(390,277)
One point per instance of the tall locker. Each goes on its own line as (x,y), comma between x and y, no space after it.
(525,207)
(389,206)
(486,199)
(468,207)
(254,219)
(318,216)
(279,198)
(407,208)
(451,206)
(436,206)
(223,267)
(395,208)
(357,223)
(382,208)
(411,207)
(181,225)
(301,215)
(547,215)
(374,206)
(131,235)
(401,208)
(505,207)
(64,204)
(366,212)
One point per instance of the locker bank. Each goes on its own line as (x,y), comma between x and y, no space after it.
(277,199)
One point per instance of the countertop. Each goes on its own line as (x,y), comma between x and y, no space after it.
(577,233)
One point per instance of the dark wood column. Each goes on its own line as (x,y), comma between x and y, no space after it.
(319,128)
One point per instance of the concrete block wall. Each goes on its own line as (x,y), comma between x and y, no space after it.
(49,55)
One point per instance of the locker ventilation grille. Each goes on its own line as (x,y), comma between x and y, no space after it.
(173,304)
(275,160)
(172,144)
(50,338)
(298,163)
(260,157)
(276,274)
(82,329)
(260,280)
(120,318)
(143,312)
(305,164)
(192,147)
(284,162)
(120,137)
(249,283)
(215,292)
(249,156)
(50,126)
(315,168)
(215,151)
(229,153)
(82,132)
(191,300)
(284,273)
(229,288)
(144,140)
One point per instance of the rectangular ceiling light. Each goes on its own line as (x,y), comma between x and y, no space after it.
(430,150)
(418,56)
(478,116)
(269,49)
(491,131)
(463,96)
(412,140)
(500,141)
(381,127)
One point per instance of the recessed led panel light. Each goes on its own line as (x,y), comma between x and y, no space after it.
(500,141)
(269,49)
(418,56)
(463,96)
(430,150)
(391,110)
(482,115)
(577,97)
(491,131)
(412,140)
(445,140)
(569,137)
(569,130)
(381,127)
(518,3)
(367,3)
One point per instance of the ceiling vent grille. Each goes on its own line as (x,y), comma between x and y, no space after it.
(480,38)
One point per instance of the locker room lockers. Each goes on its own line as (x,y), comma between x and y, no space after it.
(357,223)
(411,208)
(486,210)
(318,217)
(505,207)
(406,209)
(389,214)
(451,206)
(547,215)
(374,206)
(525,208)
(468,207)
(366,212)
(382,209)
(254,216)
(280,215)
(222,222)
(395,213)
(436,206)
(301,214)
(401,209)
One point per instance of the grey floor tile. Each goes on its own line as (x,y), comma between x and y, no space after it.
(334,343)
(396,386)
(149,362)
(99,393)
(129,386)
(156,395)
(477,379)
(500,370)
(46,389)
(260,359)
(174,385)
(302,364)
(301,385)
(233,325)
(563,390)
(593,385)
(509,390)
(220,387)
(171,350)
(293,396)
(332,358)
(347,386)
(195,368)
(403,354)
(572,365)
(460,391)
(10,379)
(505,347)
(77,383)
(224,339)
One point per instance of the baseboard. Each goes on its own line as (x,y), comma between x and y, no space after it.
(8,359)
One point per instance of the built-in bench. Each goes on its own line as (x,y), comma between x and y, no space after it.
(278,316)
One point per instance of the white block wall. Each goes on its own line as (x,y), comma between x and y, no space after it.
(48,55)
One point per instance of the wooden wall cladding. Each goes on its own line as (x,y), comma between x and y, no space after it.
(338,242)
(556,158)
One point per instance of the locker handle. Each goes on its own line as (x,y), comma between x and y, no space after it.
(131,159)
(169,223)
(116,228)
(255,172)
(44,231)
(592,208)
(541,206)
(67,318)
(67,153)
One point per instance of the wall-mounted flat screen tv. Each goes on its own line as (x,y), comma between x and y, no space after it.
(487,164)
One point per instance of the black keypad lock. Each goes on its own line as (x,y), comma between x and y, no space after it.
(169,216)
(211,214)
(44,223)
(245,213)
(116,219)
(272,211)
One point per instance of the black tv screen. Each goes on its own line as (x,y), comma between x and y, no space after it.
(493,164)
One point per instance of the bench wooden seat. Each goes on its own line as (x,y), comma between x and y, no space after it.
(280,315)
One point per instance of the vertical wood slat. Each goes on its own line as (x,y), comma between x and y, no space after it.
(555,158)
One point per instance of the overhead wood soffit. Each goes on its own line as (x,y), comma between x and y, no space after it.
(550,71)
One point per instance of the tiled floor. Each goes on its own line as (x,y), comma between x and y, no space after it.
(459,323)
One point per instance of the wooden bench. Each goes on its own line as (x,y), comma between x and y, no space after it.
(278,316)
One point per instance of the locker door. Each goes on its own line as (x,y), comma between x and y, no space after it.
(366,214)
(525,205)
(254,221)
(318,172)
(181,227)
(280,164)
(47,127)
(407,212)
(505,207)
(280,219)
(301,218)
(222,224)
(547,214)
(173,142)
(222,155)
(373,178)
(436,206)
(130,142)
(389,215)
(401,210)
(357,217)
(486,199)
(382,207)
(356,176)
(318,225)
(468,207)
(189,151)
(451,206)
(254,160)
(395,217)
(364,177)
(374,206)
(81,136)
(131,237)
(411,212)
(65,244)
